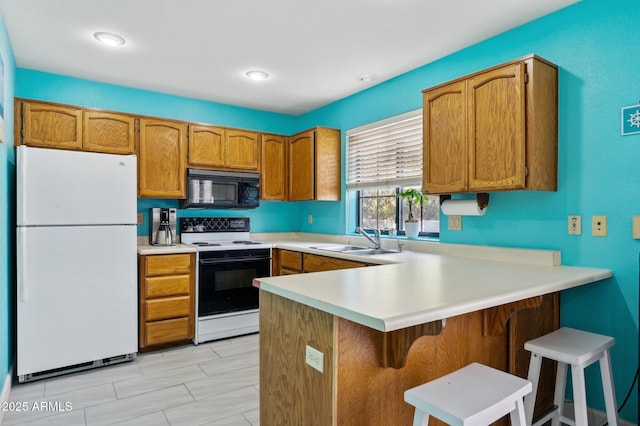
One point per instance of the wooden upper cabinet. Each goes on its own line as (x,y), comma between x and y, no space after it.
(314,165)
(206,146)
(162,159)
(242,151)
(220,148)
(108,132)
(47,125)
(50,126)
(445,139)
(495,130)
(273,169)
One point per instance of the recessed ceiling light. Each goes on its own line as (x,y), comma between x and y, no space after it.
(257,75)
(110,39)
(366,78)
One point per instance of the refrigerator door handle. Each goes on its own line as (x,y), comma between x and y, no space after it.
(22,266)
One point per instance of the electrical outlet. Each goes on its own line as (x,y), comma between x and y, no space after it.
(310,218)
(575,225)
(315,358)
(455,223)
(140,218)
(599,226)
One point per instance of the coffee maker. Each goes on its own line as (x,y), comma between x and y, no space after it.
(163,227)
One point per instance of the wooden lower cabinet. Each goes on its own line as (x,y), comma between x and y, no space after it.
(288,262)
(167,298)
(358,387)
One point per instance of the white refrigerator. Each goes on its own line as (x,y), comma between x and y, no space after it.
(76,261)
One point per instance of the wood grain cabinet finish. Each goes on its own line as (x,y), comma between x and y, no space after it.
(47,125)
(288,262)
(167,299)
(220,148)
(162,159)
(108,132)
(314,165)
(273,168)
(495,130)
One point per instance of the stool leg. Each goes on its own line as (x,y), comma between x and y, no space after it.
(534,375)
(517,414)
(579,395)
(420,418)
(558,394)
(608,389)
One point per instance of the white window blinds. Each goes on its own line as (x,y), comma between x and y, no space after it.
(387,153)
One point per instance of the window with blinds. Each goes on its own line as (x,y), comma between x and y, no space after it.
(387,155)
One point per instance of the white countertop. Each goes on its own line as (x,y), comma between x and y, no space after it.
(415,288)
(178,248)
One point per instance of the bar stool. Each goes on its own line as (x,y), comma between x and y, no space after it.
(473,395)
(579,349)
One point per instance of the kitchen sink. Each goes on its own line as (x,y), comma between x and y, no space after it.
(340,248)
(358,250)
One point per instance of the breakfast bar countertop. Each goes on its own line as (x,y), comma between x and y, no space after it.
(416,288)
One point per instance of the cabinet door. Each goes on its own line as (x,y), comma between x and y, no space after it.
(327,164)
(445,139)
(161,159)
(497,131)
(51,126)
(108,132)
(273,169)
(206,146)
(242,150)
(301,166)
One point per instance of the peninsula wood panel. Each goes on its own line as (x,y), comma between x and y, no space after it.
(206,146)
(162,159)
(273,168)
(364,391)
(292,392)
(108,132)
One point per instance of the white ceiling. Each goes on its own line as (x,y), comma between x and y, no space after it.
(314,50)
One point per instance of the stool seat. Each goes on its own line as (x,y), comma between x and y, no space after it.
(473,395)
(577,349)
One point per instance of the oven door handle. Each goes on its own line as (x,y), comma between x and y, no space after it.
(233,260)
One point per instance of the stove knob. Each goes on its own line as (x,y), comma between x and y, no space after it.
(226,224)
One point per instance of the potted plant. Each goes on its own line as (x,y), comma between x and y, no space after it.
(413,196)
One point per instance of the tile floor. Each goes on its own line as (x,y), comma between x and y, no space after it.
(214,384)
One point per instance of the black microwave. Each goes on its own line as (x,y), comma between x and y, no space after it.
(221,190)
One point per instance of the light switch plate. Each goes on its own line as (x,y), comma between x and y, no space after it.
(315,358)
(575,225)
(636,227)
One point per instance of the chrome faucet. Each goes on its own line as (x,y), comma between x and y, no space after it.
(395,235)
(376,237)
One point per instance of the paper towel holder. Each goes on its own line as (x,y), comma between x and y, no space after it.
(481,197)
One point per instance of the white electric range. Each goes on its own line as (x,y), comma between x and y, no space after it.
(228,261)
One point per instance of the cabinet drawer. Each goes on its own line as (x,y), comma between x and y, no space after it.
(170,285)
(291,260)
(168,307)
(314,263)
(166,331)
(165,264)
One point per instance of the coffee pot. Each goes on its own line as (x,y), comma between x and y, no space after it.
(163,227)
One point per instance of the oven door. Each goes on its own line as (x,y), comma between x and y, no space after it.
(225,283)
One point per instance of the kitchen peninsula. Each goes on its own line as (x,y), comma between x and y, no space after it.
(385,328)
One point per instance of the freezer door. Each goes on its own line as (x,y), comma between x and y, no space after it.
(58,187)
(77,295)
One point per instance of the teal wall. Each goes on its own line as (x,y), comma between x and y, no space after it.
(593,43)
(7,207)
